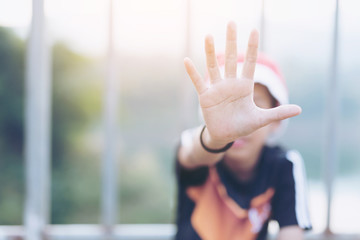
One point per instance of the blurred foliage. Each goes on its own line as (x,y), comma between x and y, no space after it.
(77,140)
(76,105)
(12,52)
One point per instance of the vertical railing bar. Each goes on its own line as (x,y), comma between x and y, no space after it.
(186,97)
(262,27)
(37,126)
(333,107)
(187,50)
(109,164)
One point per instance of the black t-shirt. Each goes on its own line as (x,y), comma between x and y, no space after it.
(213,204)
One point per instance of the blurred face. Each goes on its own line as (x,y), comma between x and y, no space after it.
(246,150)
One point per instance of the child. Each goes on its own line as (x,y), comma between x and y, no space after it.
(231,178)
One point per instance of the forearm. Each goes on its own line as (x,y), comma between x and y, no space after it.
(191,154)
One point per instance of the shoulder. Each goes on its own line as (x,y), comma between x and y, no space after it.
(296,162)
(295,158)
(283,157)
(286,165)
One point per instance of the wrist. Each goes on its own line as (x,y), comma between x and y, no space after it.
(211,145)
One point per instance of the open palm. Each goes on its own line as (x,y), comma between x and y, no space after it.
(227,102)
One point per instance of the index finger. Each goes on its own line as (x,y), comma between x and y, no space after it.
(195,77)
(251,55)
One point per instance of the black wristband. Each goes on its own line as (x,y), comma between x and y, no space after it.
(213,150)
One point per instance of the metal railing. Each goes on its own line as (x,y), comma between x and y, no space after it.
(127,232)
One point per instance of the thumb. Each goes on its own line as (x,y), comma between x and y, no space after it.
(280,113)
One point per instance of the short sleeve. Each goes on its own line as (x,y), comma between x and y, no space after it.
(290,205)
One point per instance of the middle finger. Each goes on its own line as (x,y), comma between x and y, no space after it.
(231,51)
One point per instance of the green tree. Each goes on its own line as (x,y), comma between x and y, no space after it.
(11,127)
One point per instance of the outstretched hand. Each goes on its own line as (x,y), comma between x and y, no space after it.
(227,101)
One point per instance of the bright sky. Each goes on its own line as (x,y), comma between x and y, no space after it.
(158,26)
